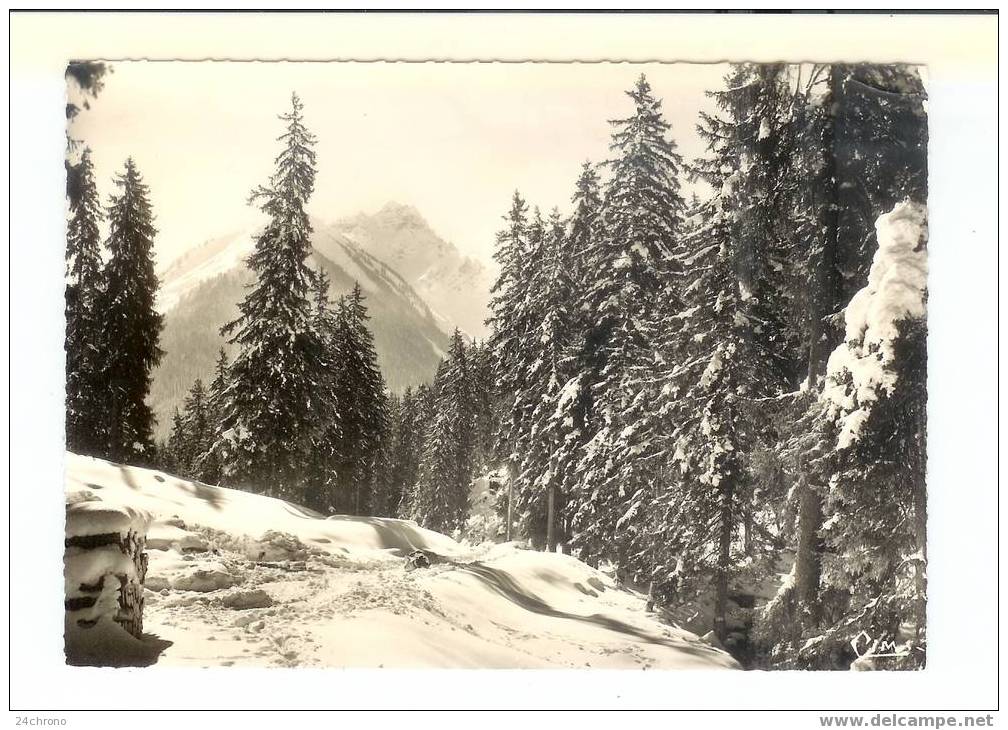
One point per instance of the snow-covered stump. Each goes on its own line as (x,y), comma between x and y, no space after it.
(104,565)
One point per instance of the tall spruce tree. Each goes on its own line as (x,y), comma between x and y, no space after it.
(572,420)
(196,421)
(411,430)
(321,490)
(861,442)
(360,402)
(508,323)
(539,489)
(387,489)
(734,351)
(274,407)
(84,424)
(130,325)
(176,450)
(633,285)
(439,498)
(484,390)
(207,464)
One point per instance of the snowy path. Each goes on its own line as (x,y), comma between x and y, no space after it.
(381,616)
(336,592)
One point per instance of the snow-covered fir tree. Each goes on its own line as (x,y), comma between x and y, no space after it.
(197,424)
(750,154)
(84,424)
(873,421)
(408,427)
(570,420)
(207,463)
(631,287)
(538,490)
(484,389)
(860,137)
(321,489)
(175,455)
(130,325)
(730,355)
(275,408)
(440,496)
(360,401)
(509,323)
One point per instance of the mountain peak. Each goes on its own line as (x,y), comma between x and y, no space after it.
(400,214)
(393,206)
(454,285)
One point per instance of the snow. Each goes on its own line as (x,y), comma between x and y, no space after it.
(897,280)
(338,593)
(712,370)
(239,513)
(87,516)
(213,258)
(165,536)
(87,567)
(896,291)
(483,522)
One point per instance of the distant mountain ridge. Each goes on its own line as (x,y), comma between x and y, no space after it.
(455,286)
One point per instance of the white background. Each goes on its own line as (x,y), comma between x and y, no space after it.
(961,54)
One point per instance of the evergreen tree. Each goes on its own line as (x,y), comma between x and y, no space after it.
(321,489)
(734,350)
(861,139)
(869,436)
(726,370)
(411,427)
(386,491)
(751,149)
(275,407)
(207,464)
(360,402)
(633,287)
(440,496)
(177,455)
(481,361)
(197,426)
(130,325)
(540,485)
(508,323)
(83,334)
(572,420)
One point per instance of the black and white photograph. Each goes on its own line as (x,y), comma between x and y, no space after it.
(375,364)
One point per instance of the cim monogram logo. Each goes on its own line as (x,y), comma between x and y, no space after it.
(866,646)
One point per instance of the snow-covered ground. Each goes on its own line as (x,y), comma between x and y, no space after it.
(245,580)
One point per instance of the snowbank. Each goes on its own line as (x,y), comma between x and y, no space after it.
(243,514)
(896,291)
(238,579)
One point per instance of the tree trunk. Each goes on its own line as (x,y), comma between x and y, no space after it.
(724,559)
(510,501)
(114,440)
(808,561)
(747,525)
(824,298)
(825,279)
(551,517)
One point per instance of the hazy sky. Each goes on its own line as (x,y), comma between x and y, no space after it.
(454,140)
